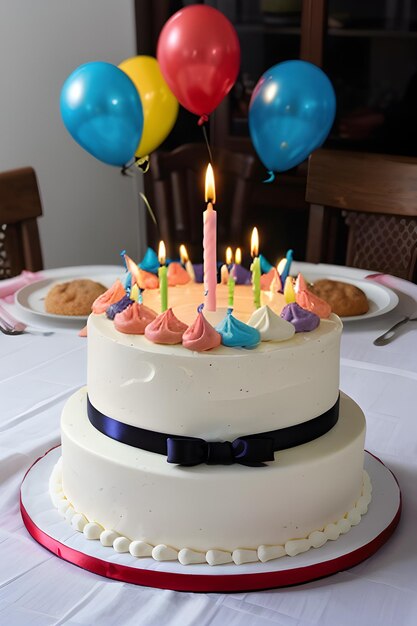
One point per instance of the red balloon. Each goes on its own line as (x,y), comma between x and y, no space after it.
(199,56)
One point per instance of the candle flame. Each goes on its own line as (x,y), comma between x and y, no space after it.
(254,243)
(133,269)
(183,254)
(238,256)
(210,191)
(161,253)
(229,255)
(281,266)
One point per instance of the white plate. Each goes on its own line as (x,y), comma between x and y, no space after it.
(31,298)
(381,299)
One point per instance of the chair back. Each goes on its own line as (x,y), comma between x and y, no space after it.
(176,189)
(377,197)
(20,206)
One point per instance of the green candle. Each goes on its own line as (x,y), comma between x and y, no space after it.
(231,286)
(163,277)
(256,269)
(256,281)
(163,287)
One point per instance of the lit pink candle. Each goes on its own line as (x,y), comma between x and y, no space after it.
(210,243)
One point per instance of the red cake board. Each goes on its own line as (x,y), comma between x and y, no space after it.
(53,532)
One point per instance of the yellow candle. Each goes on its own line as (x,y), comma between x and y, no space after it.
(185,260)
(289,293)
(224,274)
(134,293)
(256,269)
(163,277)
(224,270)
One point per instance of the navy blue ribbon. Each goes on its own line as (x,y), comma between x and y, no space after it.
(252,450)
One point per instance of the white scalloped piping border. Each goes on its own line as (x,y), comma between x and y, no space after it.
(186,556)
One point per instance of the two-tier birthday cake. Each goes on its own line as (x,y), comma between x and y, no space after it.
(212,437)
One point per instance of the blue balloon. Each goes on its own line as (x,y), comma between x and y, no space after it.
(102,111)
(291,112)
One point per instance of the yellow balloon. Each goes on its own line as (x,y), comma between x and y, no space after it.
(160,107)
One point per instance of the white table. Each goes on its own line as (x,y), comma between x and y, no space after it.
(38,374)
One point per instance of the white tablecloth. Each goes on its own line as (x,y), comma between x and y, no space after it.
(38,374)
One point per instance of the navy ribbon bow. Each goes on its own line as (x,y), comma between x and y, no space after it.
(252,450)
(246,451)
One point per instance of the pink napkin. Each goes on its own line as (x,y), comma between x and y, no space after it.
(9,286)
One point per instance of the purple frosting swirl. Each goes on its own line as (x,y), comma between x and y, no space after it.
(118,307)
(302,320)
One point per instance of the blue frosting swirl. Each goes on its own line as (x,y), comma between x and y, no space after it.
(237,334)
(150,262)
(265,264)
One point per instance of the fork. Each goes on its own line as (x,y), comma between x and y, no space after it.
(19,329)
(390,334)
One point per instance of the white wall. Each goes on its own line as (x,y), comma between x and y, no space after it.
(91,212)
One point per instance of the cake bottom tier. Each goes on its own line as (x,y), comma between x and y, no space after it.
(134,500)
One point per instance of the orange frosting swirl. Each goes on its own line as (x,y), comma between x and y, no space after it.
(112,295)
(146,280)
(165,329)
(177,275)
(300,284)
(266,279)
(134,319)
(271,280)
(313,303)
(201,335)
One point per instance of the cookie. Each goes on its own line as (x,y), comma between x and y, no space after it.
(74,297)
(345,299)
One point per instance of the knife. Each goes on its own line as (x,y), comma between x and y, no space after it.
(391,333)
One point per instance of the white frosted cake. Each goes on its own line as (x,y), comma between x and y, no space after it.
(145,467)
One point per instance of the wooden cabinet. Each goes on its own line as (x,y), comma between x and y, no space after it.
(270,31)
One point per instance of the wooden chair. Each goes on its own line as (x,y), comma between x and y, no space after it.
(175,188)
(377,197)
(20,206)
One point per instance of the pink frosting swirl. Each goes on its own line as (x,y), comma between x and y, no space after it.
(134,319)
(166,329)
(313,303)
(201,335)
(112,295)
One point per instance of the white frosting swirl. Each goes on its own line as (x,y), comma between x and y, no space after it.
(271,326)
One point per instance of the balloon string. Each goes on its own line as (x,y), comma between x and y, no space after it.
(271,177)
(150,211)
(142,163)
(207,143)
